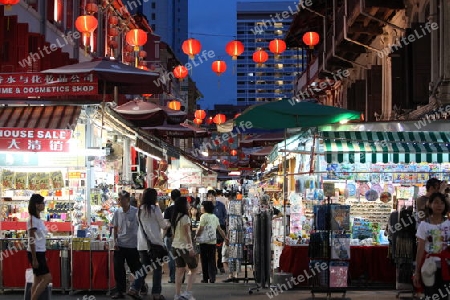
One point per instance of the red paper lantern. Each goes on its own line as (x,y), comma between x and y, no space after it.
(113,20)
(9,3)
(180,72)
(219,67)
(200,114)
(209,121)
(224,148)
(311,39)
(219,119)
(86,24)
(174,104)
(191,47)
(142,53)
(136,38)
(277,46)
(233,152)
(231,140)
(198,121)
(113,31)
(91,8)
(260,57)
(147,95)
(128,48)
(234,49)
(237,115)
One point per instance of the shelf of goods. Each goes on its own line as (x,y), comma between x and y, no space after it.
(236,235)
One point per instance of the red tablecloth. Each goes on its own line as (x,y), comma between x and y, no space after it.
(15,264)
(90,270)
(370,262)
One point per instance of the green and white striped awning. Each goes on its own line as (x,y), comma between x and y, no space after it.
(393,147)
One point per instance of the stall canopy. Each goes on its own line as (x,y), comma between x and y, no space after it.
(394,147)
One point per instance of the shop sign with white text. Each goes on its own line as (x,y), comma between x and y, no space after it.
(24,85)
(34,140)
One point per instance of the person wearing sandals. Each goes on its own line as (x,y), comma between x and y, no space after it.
(182,248)
(153,222)
(125,224)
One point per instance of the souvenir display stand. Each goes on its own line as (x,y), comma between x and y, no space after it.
(329,249)
(236,236)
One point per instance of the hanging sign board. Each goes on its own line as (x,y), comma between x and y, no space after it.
(34,140)
(33,85)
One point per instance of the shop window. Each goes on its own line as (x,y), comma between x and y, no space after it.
(153,16)
(153,5)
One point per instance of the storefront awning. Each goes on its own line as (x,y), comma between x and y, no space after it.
(394,147)
(48,117)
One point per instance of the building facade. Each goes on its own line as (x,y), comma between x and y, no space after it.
(169,20)
(258,23)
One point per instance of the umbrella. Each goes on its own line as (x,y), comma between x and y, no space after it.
(142,113)
(288,113)
(128,79)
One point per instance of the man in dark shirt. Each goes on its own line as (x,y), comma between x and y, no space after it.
(175,194)
(221,212)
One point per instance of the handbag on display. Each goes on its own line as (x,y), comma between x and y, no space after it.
(154,251)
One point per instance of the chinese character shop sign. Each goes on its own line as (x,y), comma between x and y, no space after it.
(34,140)
(24,85)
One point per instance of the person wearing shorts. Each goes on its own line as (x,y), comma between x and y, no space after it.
(36,246)
(182,248)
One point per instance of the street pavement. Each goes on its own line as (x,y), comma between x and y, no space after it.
(235,291)
(224,291)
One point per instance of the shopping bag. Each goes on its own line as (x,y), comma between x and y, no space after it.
(207,236)
(29,278)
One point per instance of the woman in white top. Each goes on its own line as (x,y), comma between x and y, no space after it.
(182,248)
(152,221)
(433,235)
(36,246)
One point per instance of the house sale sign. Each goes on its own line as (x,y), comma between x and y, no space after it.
(34,140)
(25,85)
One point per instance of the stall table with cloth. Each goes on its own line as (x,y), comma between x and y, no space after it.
(369,265)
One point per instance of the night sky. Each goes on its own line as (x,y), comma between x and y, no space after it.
(213,23)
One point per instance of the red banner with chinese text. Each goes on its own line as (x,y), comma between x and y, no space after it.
(24,85)
(34,140)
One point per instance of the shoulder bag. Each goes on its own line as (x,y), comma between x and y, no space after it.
(154,251)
